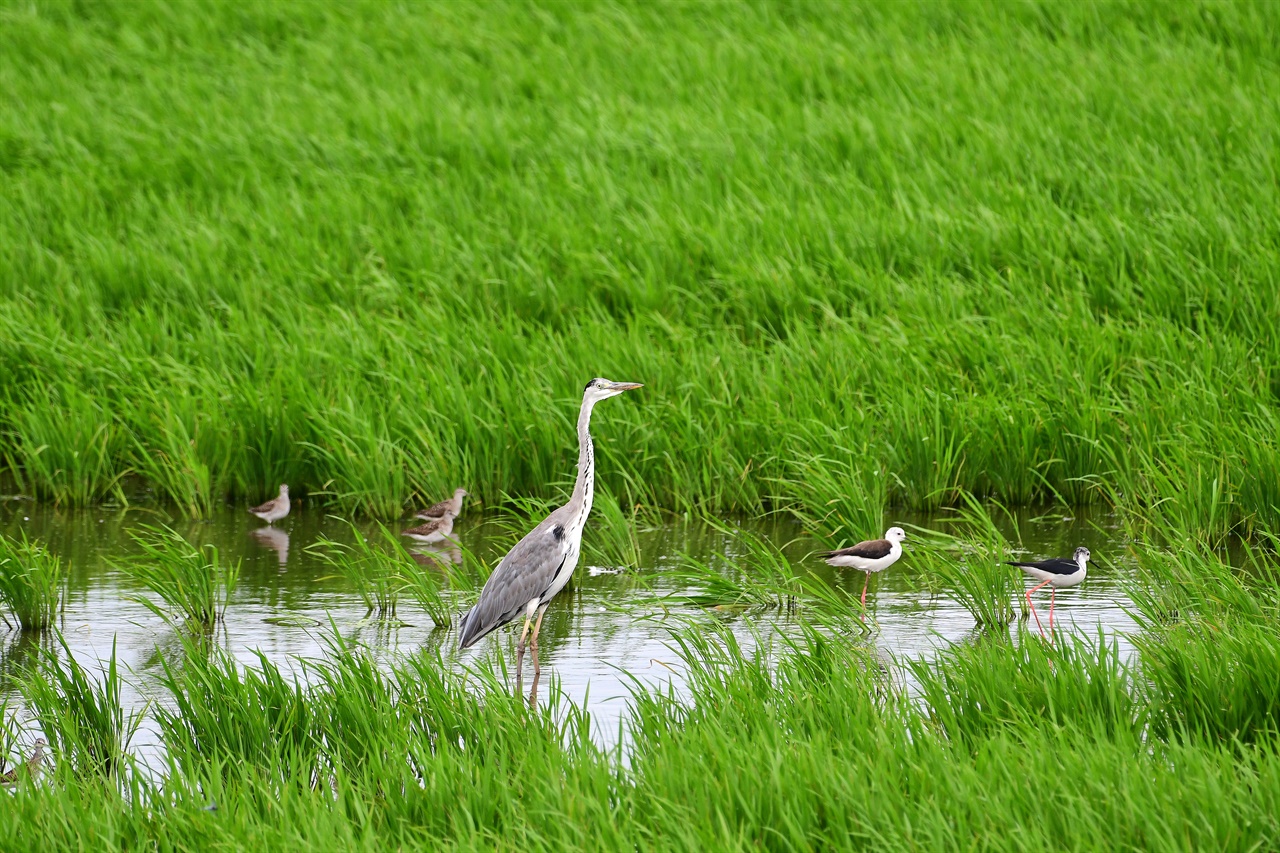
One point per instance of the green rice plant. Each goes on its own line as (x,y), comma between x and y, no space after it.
(172,461)
(840,499)
(376,572)
(191,581)
(221,714)
(388,338)
(429,591)
(31,582)
(974,688)
(1214,679)
(82,716)
(970,559)
(64,446)
(751,574)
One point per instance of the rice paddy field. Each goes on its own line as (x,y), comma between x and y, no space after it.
(1007,274)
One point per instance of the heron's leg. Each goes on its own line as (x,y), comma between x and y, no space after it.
(520,649)
(537,667)
(1033,607)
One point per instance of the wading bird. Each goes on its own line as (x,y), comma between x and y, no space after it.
(274,509)
(1058,573)
(453,505)
(541,563)
(874,555)
(436,530)
(32,765)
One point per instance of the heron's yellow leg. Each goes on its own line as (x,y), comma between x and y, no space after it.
(520,648)
(537,667)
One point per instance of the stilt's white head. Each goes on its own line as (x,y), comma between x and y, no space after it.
(1082,556)
(895,534)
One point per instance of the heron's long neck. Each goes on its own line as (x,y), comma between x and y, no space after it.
(585,485)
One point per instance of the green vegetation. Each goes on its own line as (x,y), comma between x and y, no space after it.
(922,255)
(31,582)
(811,743)
(374,251)
(82,717)
(191,581)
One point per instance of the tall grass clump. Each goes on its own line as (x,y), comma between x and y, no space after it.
(970,557)
(221,714)
(376,570)
(31,582)
(82,717)
(752,573)
(1210,646)
(973,688)
(193,582)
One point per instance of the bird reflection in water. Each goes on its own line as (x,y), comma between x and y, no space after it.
(275,539)
(438,555)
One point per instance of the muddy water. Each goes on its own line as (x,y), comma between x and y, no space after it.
(599,638)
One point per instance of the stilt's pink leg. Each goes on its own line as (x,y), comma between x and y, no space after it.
(864,590)
(1052,598)
(1033,607)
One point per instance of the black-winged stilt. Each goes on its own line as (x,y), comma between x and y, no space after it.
(1058,573)
(874,555)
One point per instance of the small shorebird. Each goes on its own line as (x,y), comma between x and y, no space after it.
(274,509)
(874,555)
(32,765)
(453,505)
(540,565)
(1058,573)
(436,530)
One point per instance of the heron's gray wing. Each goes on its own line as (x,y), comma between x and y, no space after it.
(523,575)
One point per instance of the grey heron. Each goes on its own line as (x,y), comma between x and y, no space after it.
(453,505)
(1059,574)
(541,563)
(874,555)
(274,509)
(436,530)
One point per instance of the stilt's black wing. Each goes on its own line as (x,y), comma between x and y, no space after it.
(872,549)
(1056,566)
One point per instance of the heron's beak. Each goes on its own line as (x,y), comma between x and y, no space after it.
(625,386)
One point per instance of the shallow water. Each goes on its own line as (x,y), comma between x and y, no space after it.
(599,638)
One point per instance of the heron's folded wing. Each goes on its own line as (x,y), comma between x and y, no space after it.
(523,575)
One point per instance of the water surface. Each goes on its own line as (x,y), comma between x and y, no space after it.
(599,637)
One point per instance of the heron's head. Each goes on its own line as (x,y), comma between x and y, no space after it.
(1082,555)
(602,389)
(284,490)
(895,534)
